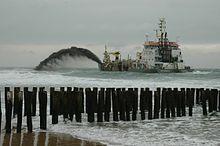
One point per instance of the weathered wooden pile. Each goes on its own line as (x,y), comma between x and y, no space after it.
(105,104)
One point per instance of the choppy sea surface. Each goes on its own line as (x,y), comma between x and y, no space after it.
(195,130)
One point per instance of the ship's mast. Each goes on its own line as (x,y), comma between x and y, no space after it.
(106,56)
(164,48)
(162,36)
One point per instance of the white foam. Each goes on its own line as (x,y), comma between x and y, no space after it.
(201,72)
(197,130)
(85,78)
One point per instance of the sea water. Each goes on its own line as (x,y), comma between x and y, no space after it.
(195,130)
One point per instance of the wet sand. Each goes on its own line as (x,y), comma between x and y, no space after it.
(43,139)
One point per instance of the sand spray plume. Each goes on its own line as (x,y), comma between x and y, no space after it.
(69,62)
(56,59)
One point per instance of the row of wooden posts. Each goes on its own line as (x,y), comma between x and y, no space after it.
(124,104)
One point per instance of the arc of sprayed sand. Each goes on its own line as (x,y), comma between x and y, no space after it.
(72,52)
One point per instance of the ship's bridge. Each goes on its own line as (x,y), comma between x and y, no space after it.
(151,44)
(148,44)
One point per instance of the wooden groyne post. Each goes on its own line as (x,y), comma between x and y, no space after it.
(143,102)
(101,107)
(115,104)
(25,103)
(65,101)
(172,101)
(157,103)
(79,102)
(34,101)
(43,109)
(183,99)
(150,105)
(69,103)
(163,103)
(213,100)
(204,98)
(128,103)
(76,103)
(176,95)
(190,100)
(16,101)
(167,101)
(55,106)
(218,100)
(134,103)
(51,100)
(8,105)
(198,96)
(107,103)
(19,111)
(91,103)
(28,100)
(146,104)
(122,99)
(0,113)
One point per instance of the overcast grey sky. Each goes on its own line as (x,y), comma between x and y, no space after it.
(32,29)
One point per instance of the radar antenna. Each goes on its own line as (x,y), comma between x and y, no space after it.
(147,36)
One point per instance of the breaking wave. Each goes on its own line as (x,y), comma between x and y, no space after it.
(201,72)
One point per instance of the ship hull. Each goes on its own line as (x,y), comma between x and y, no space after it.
(148,70)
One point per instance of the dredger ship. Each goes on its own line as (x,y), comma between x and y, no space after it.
(161,56)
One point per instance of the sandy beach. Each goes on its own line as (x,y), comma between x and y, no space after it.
(43,139)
